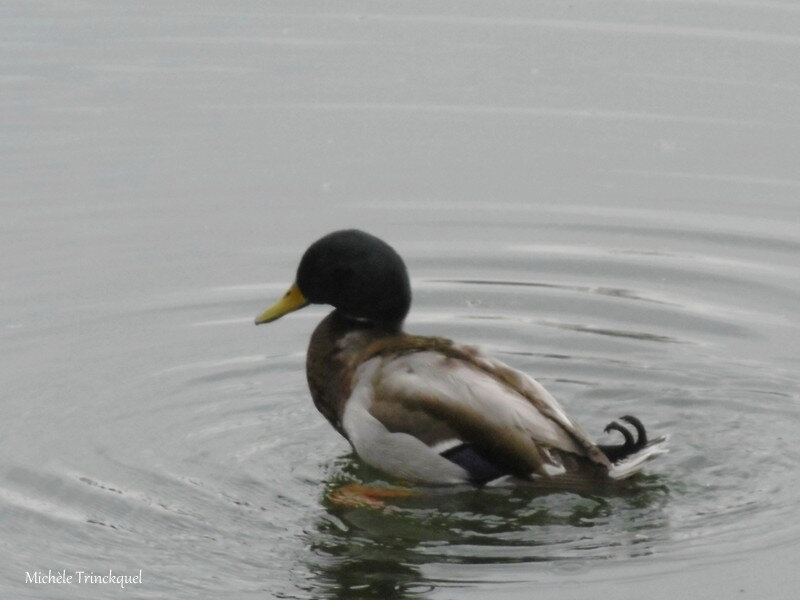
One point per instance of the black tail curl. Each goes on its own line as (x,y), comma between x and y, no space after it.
(616,453)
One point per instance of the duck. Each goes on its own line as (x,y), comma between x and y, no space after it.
(426,409)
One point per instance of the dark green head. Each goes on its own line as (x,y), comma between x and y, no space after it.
(356,273)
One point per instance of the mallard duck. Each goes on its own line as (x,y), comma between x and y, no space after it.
(426,409)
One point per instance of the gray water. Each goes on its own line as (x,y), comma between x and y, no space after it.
(602,194)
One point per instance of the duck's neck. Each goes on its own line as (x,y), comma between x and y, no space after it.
(334,345)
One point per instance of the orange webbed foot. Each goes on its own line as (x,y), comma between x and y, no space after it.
(358,495)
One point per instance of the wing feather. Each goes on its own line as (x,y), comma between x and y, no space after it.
(514,424)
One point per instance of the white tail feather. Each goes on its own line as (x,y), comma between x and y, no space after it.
(632,464)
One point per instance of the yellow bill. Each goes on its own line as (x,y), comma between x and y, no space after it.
(291,301)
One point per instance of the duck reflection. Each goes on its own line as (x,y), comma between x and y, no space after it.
(411,545)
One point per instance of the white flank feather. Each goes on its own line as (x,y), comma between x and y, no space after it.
(399,454)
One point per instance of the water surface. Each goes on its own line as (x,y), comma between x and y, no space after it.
(603,195)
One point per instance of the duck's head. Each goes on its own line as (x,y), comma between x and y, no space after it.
(356,273)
